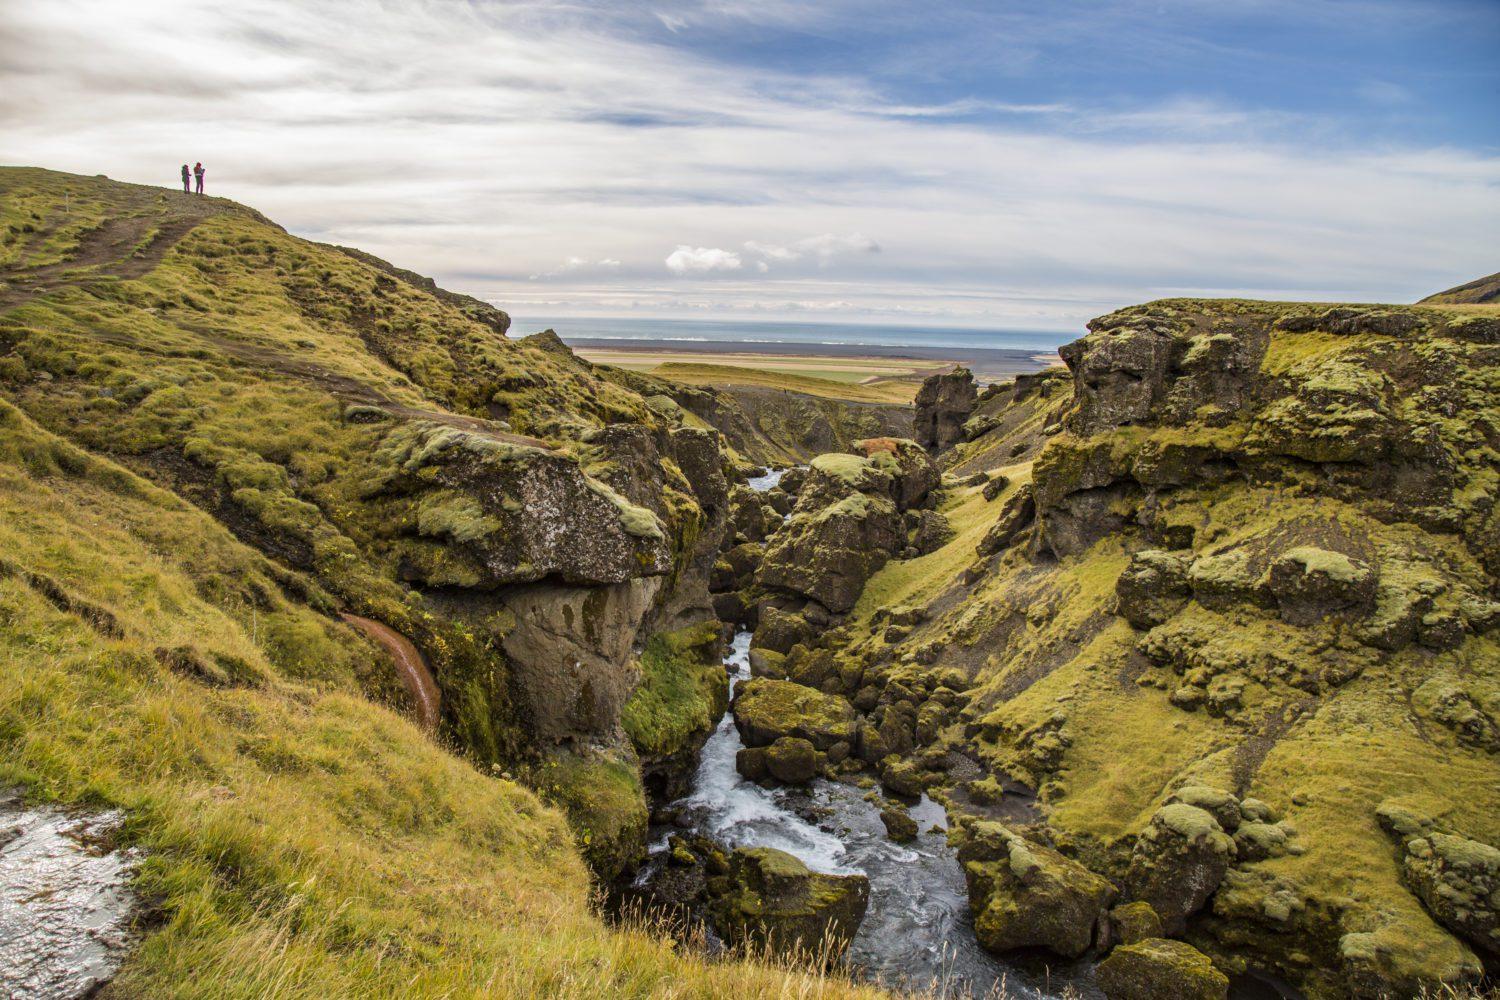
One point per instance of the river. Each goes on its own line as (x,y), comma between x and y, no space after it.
(917,931)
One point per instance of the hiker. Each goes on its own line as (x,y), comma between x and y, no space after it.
(185,175)
(198,173)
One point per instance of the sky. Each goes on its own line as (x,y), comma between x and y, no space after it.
(953,162)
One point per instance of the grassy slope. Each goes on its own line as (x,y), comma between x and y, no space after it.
(1047,653)
(830,388)
(299,839)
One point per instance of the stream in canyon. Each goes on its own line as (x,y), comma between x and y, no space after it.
(917,932)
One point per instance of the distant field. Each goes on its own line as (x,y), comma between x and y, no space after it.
(794,380)
(866,379)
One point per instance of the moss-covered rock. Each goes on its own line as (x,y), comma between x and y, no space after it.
(1178,862)
(1134,922)
(766,710)
(828,555)
(792,760)
(774,901)
(1155,968)
(1153,587)
(899,825)
(1458,880)
(1025,895)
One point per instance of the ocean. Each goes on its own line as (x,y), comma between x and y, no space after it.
(690,332)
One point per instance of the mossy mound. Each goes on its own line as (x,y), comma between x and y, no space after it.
(1156,968)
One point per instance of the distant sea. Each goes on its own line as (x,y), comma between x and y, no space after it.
(992,355)
(691,332)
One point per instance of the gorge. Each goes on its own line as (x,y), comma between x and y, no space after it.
(1172,668)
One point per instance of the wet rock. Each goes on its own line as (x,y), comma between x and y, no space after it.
(1178,862)
(943,405)
(792,760)
(899,825)
(66,908)
(1024,895)
(901,777)
(1153,587)
(772,900)
(1156,968)
(766,710)
(750,762)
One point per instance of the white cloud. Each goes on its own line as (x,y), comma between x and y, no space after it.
(487,144)
(701,260)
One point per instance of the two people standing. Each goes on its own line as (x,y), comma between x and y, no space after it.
(197,172)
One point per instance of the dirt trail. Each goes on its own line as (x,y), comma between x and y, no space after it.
(425,696)
(111,251)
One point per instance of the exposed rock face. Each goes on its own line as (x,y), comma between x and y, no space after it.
(944,404)
(1155,968)
(478,512)
(1153,587)
(774,901)
(577,641)
(766,710)
(1025,895)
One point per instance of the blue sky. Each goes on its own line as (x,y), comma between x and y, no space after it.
(981,164)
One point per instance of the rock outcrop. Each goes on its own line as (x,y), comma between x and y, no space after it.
(944,404)
(1155,968)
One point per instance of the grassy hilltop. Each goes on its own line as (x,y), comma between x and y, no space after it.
(200,421)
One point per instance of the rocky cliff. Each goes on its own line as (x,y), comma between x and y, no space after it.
(1208,652)
(528,520)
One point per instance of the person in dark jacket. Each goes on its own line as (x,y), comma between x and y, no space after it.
(186,176)
(198,173)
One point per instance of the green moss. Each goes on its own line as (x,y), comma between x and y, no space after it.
(682,693)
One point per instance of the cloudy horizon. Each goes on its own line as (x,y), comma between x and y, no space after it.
(965,164)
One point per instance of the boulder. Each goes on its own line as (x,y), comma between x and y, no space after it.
(1133,922)
(901,777)
(899,825)
(829,555)
(1153,588)
(1178,862)
(702,463)
(766,710)
(780,630)
(774,901)
(1156,968)
(913,474)
(1024,895)
(943,405)
(792,760)
(1018,512)
(927,531)
(750,762)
